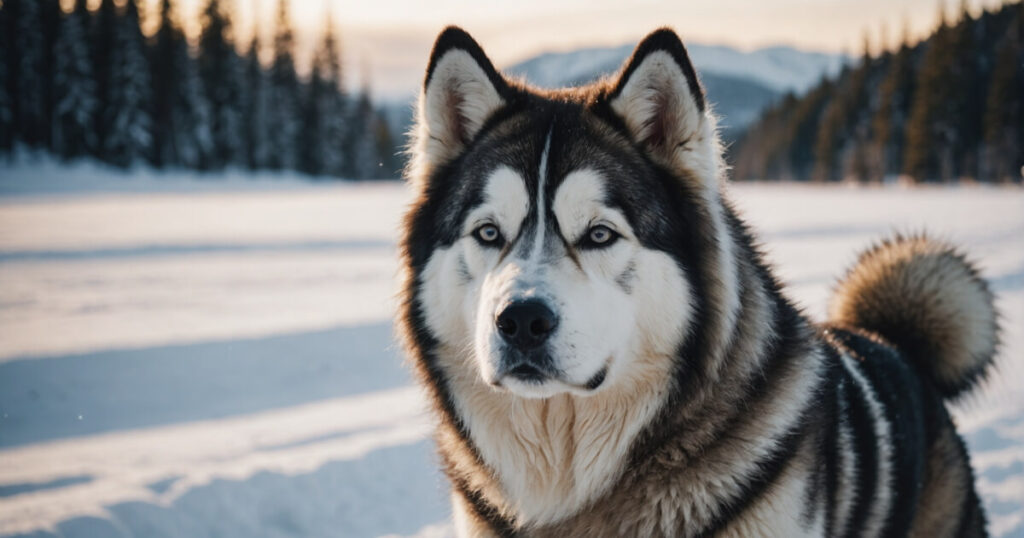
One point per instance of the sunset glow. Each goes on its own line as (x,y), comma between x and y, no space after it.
(387,41)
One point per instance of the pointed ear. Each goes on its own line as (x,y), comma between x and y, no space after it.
(661,102)
(461,90)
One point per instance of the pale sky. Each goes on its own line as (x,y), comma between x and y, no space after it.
(389,40)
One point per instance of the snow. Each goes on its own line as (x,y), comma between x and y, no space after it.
(202,356)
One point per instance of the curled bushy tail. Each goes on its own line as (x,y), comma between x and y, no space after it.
(926,299)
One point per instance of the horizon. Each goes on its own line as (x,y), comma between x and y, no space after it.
(385,44)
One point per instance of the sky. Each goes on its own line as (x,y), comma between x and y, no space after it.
(386,42)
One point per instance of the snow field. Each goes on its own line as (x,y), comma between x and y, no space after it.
(181,357)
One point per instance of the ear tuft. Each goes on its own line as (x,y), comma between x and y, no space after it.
(455,38)
(659,98)
(664,39)
(461,90)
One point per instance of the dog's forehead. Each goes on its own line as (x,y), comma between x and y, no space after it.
(575,140)
(544,146)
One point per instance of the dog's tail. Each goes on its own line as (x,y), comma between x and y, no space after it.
(925,298)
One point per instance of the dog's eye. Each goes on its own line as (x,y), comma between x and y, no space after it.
(599,236)
(488,235)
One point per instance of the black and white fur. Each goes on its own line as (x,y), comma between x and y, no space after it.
(608,355)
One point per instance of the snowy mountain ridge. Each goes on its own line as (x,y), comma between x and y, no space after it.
(780,68)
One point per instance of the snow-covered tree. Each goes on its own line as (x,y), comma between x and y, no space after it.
(52,15)
(165,82)
(387,150)
(364,157)
(181,118)
(75,90)
(30,71)
(283,115)
(255,104)
(102,45)
(128,139)
(193,140)
(324,122)
(222,75)
(7,53)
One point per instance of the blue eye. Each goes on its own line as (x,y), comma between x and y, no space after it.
(488,235)
(599,236)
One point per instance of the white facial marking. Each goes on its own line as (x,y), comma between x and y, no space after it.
(506,203)
(542,175)
(449,301)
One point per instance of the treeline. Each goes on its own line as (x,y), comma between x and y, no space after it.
(84,83)
(946,109)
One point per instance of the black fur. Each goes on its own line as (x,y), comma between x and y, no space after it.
(667,213)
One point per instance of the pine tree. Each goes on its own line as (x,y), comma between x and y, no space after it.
(914,111)
(387,156)
(128,140)
(284,91)
(75,91)
(181,118)
(255,104)
(8,85)
(221,71)
(929,151)
(842,129)
(52,16)
(192,138)
(324,111)
(895,94)
(966,106)
(364,157)
(856,160)
(104,27)
(165,82)
(1004,108)
(30,72)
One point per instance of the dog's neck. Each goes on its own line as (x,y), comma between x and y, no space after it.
(551,457)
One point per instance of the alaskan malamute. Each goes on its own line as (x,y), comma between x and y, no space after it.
(609,355)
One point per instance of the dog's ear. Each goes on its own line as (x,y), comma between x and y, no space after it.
(661,102)
(461,90)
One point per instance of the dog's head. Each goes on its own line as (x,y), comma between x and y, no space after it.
(553,235)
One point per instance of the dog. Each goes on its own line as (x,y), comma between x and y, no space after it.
(608,354)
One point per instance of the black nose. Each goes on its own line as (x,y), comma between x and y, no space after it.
(526,324)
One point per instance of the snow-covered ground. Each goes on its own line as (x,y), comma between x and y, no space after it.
(194,358)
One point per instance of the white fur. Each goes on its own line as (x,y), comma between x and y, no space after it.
(542,180)
(881,498)
(554,454)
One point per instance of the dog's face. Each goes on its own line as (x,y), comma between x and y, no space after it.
(552,236)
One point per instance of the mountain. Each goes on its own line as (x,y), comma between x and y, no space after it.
(776,68)
(740,85)
(950,107)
